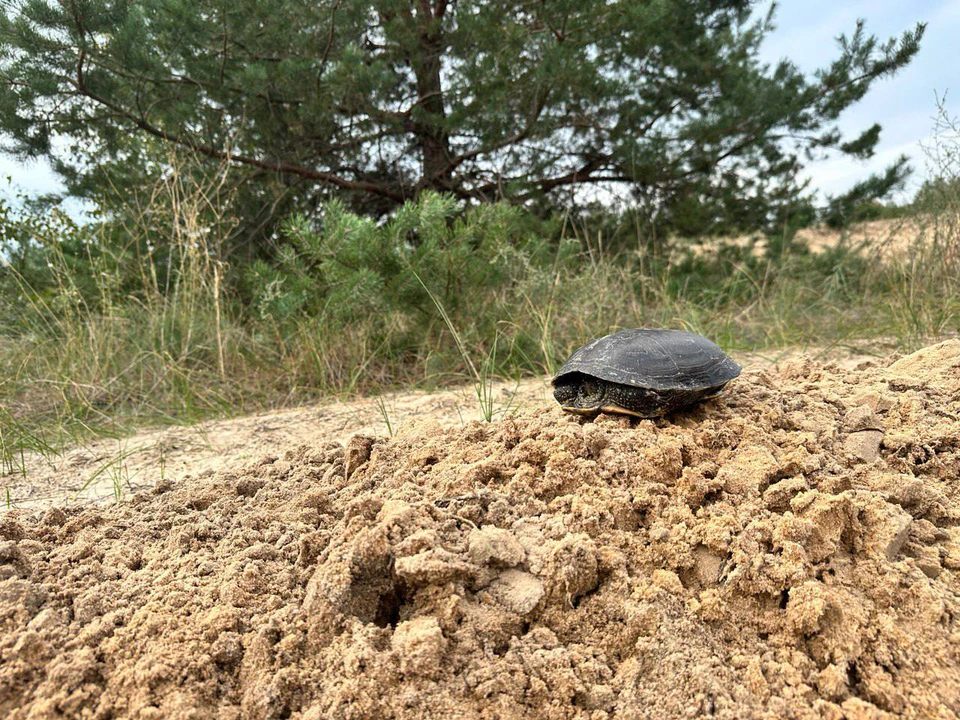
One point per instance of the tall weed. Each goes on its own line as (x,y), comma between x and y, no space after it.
(125,317)
(920,296)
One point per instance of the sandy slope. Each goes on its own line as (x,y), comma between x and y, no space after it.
(789,550)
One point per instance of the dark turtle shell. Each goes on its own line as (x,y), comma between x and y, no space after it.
(642,372)
(655,359)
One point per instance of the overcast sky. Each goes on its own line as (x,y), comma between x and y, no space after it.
(904,105)
(806,31)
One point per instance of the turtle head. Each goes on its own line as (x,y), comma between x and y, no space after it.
(580,393)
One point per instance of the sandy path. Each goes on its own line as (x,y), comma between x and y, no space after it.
(103,470)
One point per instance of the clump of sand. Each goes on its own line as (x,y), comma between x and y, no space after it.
(789,550)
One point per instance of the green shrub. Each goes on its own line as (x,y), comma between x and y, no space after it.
(348,267)
(151,323)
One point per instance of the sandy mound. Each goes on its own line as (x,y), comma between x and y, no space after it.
(789,550)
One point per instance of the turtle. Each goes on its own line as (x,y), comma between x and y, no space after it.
(642,372)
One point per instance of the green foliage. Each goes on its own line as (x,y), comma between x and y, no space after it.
(341,310)
(111,323)
(29,232)
(346,99)
(861,202)
(938,195)
(351,268)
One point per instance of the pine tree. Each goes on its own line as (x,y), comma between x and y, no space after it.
(375,102)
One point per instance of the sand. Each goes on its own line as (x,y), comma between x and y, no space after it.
(788,550)
(105,470)
(891,240)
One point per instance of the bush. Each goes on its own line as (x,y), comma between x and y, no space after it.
(432,270)
(349,267)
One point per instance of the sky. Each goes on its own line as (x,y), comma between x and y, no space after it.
(904,105)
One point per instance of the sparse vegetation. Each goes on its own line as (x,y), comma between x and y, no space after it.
(154,314)
(99,336)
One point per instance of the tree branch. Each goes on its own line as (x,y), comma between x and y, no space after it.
(212,152)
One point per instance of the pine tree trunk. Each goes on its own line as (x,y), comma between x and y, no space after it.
(431,130)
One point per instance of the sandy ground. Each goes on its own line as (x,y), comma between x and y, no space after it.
(889,239)
(108,470)
(790,549)
(104,470)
